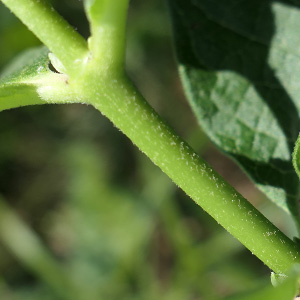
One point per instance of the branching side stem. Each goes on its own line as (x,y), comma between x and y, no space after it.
(53,30)
(108,25)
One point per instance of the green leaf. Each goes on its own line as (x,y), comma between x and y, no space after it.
(18,80)
(21,80)
(239,63)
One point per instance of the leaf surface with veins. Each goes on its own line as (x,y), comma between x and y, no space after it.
(239,62)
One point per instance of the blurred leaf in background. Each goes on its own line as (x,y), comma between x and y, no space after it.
(102,216)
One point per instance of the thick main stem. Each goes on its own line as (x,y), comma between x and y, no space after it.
(126,108)
(61,39)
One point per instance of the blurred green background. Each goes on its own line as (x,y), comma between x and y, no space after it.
(84,215)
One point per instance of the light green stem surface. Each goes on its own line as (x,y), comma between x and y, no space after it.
(108,23)
(119,100)
(61,39)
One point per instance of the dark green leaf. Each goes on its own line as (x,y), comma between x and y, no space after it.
(239,63)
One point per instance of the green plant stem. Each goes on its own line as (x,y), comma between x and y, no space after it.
(119,100)
(61,39)
(108,23)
